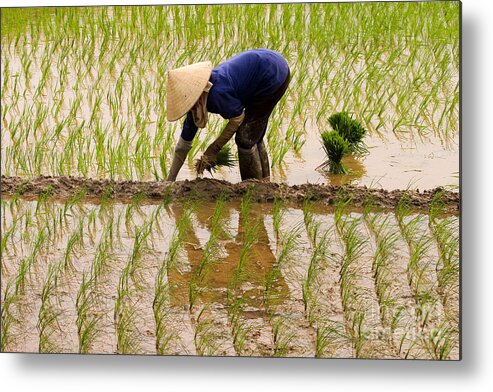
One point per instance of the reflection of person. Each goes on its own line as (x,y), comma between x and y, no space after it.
(214,288)
(244,89)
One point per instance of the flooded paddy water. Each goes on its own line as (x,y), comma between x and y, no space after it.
(100,255)
(228,278)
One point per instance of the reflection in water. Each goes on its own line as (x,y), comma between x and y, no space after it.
(217,281)
(356,169)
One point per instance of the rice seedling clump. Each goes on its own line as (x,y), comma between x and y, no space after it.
(351,130)
(335,147)
(225,157)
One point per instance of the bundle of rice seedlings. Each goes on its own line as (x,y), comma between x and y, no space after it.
(335,147)
(225,158)
(351,130)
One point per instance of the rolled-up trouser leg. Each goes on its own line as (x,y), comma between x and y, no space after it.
(250,166)
(264,160)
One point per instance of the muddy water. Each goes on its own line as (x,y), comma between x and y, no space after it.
(390,164)
(242,301)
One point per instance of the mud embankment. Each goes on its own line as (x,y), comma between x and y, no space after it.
(210,189)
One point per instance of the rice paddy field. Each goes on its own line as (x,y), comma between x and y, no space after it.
(100,255)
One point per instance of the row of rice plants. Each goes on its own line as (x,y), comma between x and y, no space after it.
(397,316)
(115,127)
(445,230)
(439,337)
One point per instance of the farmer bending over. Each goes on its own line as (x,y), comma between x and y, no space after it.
(245,89)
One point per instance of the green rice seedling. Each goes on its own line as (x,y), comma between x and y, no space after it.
(206,338)
(309,284)
(239,328)
(308,213)
(284,254)
(24,268)
(218,224)
(447,269)
(246,206)
(8,319)
(391,311)
(439,343)
(225,158)
(126,342)
(48,313)
(124,316)
(87,321)
(282,336)
(278,212)
(351,293)
(160,306)
(75,240)
(181,230)
(350,130)
(7,235)
(328,336)
(250,237)
(335,147)
(102,256)
(360,335)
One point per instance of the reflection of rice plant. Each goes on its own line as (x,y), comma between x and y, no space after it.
(350,130)
(335,147)
(210,254)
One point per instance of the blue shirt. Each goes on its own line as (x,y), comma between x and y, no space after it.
(238,81)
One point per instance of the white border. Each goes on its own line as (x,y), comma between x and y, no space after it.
(78,373)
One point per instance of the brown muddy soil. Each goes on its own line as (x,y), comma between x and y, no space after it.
(210,189)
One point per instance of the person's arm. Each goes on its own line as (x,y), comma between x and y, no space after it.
(183,146)
(209,159)
(227,133)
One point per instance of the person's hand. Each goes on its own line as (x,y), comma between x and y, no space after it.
(206,162)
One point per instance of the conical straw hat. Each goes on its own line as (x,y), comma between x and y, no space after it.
(185,85)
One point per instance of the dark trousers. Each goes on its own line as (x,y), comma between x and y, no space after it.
(252,129)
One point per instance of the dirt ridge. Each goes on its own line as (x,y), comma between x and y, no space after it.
(210,189)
